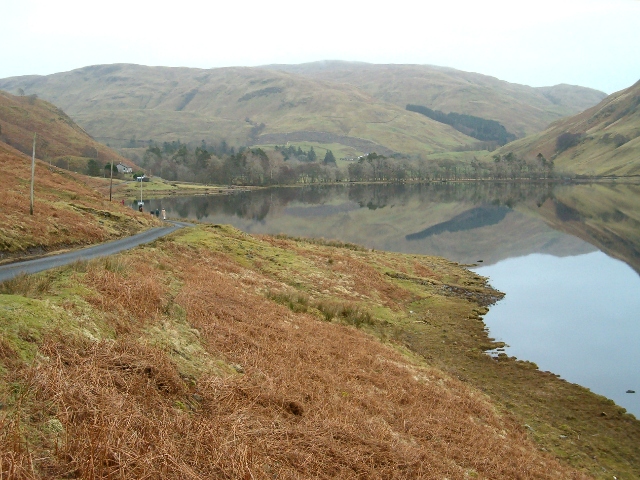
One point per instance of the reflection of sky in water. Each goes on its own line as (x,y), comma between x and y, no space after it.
(590,334)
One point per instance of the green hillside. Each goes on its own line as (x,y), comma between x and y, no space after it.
(523,110)
(124,104)
(602,141)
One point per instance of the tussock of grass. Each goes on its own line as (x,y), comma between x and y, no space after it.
(296,302)
(345,312)
(115,264)
(27,285)
(79,266)
(349,313)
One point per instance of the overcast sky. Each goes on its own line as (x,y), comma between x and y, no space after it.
(594,43)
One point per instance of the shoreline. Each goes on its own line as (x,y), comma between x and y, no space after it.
(182,188)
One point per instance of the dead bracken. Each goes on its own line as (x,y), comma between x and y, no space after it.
(260,383)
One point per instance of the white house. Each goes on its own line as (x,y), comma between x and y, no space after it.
(124,169)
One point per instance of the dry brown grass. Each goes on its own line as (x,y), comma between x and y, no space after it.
(131,289)
(311,400)
(57,135)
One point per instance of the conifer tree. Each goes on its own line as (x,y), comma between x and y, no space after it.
(312,155)
(329,158)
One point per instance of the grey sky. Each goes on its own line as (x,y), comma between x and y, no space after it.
(594,43)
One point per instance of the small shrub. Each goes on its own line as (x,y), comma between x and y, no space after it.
(620,140)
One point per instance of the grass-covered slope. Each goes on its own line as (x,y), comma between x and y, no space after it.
(57,135)
(259,360)
(603,140)
(523,110)
(66,211)
(116,103)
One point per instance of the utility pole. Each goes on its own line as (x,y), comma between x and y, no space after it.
(33,172)
(111,180)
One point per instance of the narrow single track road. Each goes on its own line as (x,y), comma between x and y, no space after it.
(11,270)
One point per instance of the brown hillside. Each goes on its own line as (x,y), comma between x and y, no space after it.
(607,138)
(57,134)
(66,212)
(523,110)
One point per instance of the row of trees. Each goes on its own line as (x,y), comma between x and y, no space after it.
(249,166)
(290,152)
(375,167)
(293,165)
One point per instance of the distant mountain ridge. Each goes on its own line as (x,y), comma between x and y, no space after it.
(522,109)
(357,105)
(118,102)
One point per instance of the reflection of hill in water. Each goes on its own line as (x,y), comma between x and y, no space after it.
(475,218)
(320,210)
(517,235)
(605,215)
(465,222)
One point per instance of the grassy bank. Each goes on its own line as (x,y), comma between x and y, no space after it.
(213,353)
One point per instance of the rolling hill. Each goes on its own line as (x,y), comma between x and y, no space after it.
(358,106)
(58,135)
(244,106)
(523,110)
(601,141)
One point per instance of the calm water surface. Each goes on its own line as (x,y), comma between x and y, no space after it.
(567,257)
(575,316)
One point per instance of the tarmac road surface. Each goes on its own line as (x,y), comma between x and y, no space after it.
(11,270)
